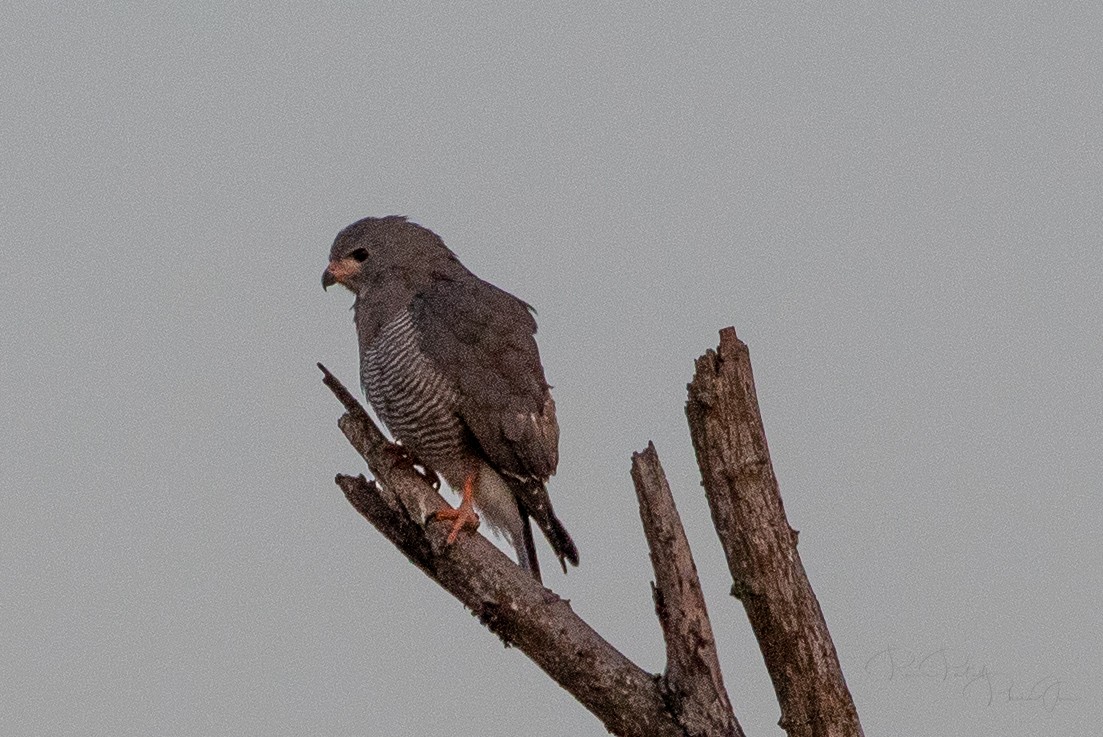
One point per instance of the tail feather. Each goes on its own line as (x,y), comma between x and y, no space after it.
(560,541)
(526,553)
(556,535)
(533,502)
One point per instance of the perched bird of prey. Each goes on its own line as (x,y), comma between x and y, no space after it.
(450,364)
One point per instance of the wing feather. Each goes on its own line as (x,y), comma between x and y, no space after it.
(483,339)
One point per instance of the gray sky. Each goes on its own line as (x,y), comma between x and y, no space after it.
(898,208)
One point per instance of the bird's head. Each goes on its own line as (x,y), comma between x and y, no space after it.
(372,251)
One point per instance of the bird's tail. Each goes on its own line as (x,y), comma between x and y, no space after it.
(533,503)
(526,552)
(560,541)
(556,535)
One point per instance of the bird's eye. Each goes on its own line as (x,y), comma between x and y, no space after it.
(360,255)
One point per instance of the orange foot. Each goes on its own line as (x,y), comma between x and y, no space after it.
(465,515)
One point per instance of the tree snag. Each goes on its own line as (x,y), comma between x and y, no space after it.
(761,548)
(689,699)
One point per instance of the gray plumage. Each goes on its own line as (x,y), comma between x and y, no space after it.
(450,364)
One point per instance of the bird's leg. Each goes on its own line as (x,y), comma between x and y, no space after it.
(465,515)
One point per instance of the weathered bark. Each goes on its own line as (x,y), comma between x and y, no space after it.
(761,548)
(627,699)
(689,699)
(692,681)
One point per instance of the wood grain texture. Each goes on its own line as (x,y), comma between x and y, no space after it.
(693,683)
(761,549)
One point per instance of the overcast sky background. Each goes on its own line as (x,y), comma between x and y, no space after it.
(897,206)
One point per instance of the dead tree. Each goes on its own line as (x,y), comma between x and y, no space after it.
(688,699)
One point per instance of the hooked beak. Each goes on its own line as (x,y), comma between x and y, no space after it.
(339,271)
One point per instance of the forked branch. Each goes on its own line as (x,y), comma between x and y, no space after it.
(509,601)
(689,698)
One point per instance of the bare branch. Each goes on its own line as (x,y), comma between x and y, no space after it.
(627,699)
(694,684)
(761,548)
